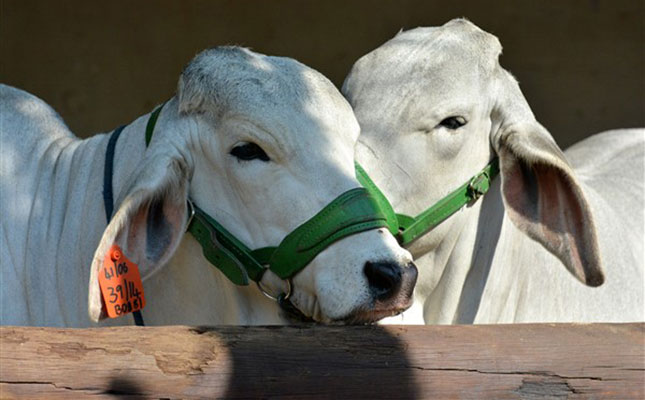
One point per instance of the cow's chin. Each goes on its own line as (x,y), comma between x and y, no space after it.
(373,315)
(304,308)
(379,309)
(361,316)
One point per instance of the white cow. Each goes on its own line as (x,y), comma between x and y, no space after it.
(435,107)
(260,143)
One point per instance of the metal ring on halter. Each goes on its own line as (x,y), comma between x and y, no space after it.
(272,297)
(192,213)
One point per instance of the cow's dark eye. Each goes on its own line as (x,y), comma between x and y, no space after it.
(249,151)
(453,123)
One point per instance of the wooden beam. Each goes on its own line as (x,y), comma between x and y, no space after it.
(487,361)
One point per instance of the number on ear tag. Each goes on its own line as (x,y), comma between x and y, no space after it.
(120,284)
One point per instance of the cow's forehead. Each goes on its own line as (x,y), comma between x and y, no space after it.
(294,100)
(285,97)
(442,52)
(422,68)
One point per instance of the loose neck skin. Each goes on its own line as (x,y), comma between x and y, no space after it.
(83,231)
(65,220)
(480,272)
(458,267)
(485,270)
(63,227)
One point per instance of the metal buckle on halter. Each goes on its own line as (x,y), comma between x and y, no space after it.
(191,212)
(479,185)
(280,297)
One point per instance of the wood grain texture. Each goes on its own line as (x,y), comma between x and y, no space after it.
(495,361)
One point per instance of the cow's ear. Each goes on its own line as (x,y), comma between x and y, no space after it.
(148,224)
(542,195)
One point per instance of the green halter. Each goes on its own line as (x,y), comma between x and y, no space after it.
(354,211)
(407,229)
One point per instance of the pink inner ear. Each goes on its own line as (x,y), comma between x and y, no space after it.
(151,234)
(136,235)
(548,205)
(561,215)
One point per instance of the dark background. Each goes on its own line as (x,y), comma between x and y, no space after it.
(101,64)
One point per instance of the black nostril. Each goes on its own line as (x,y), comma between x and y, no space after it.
(384,278)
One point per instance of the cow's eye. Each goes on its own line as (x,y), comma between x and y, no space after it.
(249,151)
(454,122)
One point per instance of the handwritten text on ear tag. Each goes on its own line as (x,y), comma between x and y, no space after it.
(120,283)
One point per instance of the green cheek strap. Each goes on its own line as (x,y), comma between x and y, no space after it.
(352,212)
(408,228)
(223,250)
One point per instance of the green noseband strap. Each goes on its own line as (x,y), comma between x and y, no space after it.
(352,212)
(383,203)
(410,228)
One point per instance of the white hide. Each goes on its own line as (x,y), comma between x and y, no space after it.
(554,226)
(54,234)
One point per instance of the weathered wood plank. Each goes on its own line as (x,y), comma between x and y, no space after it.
(495,361)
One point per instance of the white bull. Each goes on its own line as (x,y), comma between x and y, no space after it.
(260,143)
(435,107)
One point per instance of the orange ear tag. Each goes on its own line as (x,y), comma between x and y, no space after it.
(120,283)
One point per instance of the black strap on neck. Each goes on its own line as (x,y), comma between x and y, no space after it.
(108,170)
(150,126)
(108,195)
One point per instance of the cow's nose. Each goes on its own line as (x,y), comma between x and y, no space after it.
(384,278)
